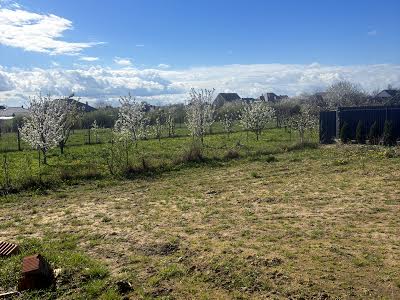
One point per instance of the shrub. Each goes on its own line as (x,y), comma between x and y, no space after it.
(374,134)
(360,134)
(193,154)
(388,137)
(345,133)
(232,154)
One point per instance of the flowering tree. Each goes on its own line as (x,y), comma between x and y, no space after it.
(303,121)
(70,117)
(95,129)
(158,128)
(227,123)
(131,117)
(200,112)
(44,128)
(255,117)
(170,122)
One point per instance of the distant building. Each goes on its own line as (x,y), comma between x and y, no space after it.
(8,113)
(388,97)
(272,97)
(84,107)
(223,98)
(386,94)
(248,100)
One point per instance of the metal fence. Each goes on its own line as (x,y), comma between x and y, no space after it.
(332,121)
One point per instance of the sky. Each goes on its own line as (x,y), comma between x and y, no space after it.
(158,49)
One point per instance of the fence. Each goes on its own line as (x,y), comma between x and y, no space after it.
(331,121)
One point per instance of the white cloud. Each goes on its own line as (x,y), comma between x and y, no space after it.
(88,58)
(171,86)
(139,45)
(163,66)
(126,62)
(36,32)
(372,32)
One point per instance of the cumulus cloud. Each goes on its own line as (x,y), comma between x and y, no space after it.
(125,62)
(88,58)
(36,32)
(163,86)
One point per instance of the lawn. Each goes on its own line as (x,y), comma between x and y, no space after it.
(83,161)
(314,223)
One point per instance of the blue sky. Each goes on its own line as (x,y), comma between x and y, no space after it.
(159,49)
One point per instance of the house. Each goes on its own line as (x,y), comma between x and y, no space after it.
(386,94)
(248,100)
(272,97)
(8,113)
(388,97)
(84,107)
(223,98)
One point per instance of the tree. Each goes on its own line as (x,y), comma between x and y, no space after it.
(158,128)
(131,117)
(256,116)
(345,133)
(70,116)
(360,134)
(200,113)
(388,137)
(227,123)
(374,134)
(345,93)
(43,128)
(302,122)
(95,129)
(171,122)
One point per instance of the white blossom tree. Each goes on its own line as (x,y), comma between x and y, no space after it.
(303,121)
(131,117)
(227,123)
(71,115)
(95,129)
(255,117)
(158,126)
(345,93)
(200,113)
(170,122)
(44,128)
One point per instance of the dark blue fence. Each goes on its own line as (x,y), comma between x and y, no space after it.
(352,115)
(327,126)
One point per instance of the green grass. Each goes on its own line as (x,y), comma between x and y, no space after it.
(299,225)
(82,161)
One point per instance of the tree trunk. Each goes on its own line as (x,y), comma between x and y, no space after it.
(44,157)
(19,140)
(62,145)
(89,135)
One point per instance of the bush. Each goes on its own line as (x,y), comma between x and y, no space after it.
(388,137)
(345,133)
(193,154)
(360,134)
(374,134)
(232,154)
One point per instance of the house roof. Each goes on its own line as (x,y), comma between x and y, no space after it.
(12,111)
(83,106)
(229,96)
(387,93)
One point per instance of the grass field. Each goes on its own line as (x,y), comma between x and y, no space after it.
(82,161)
(315,223)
